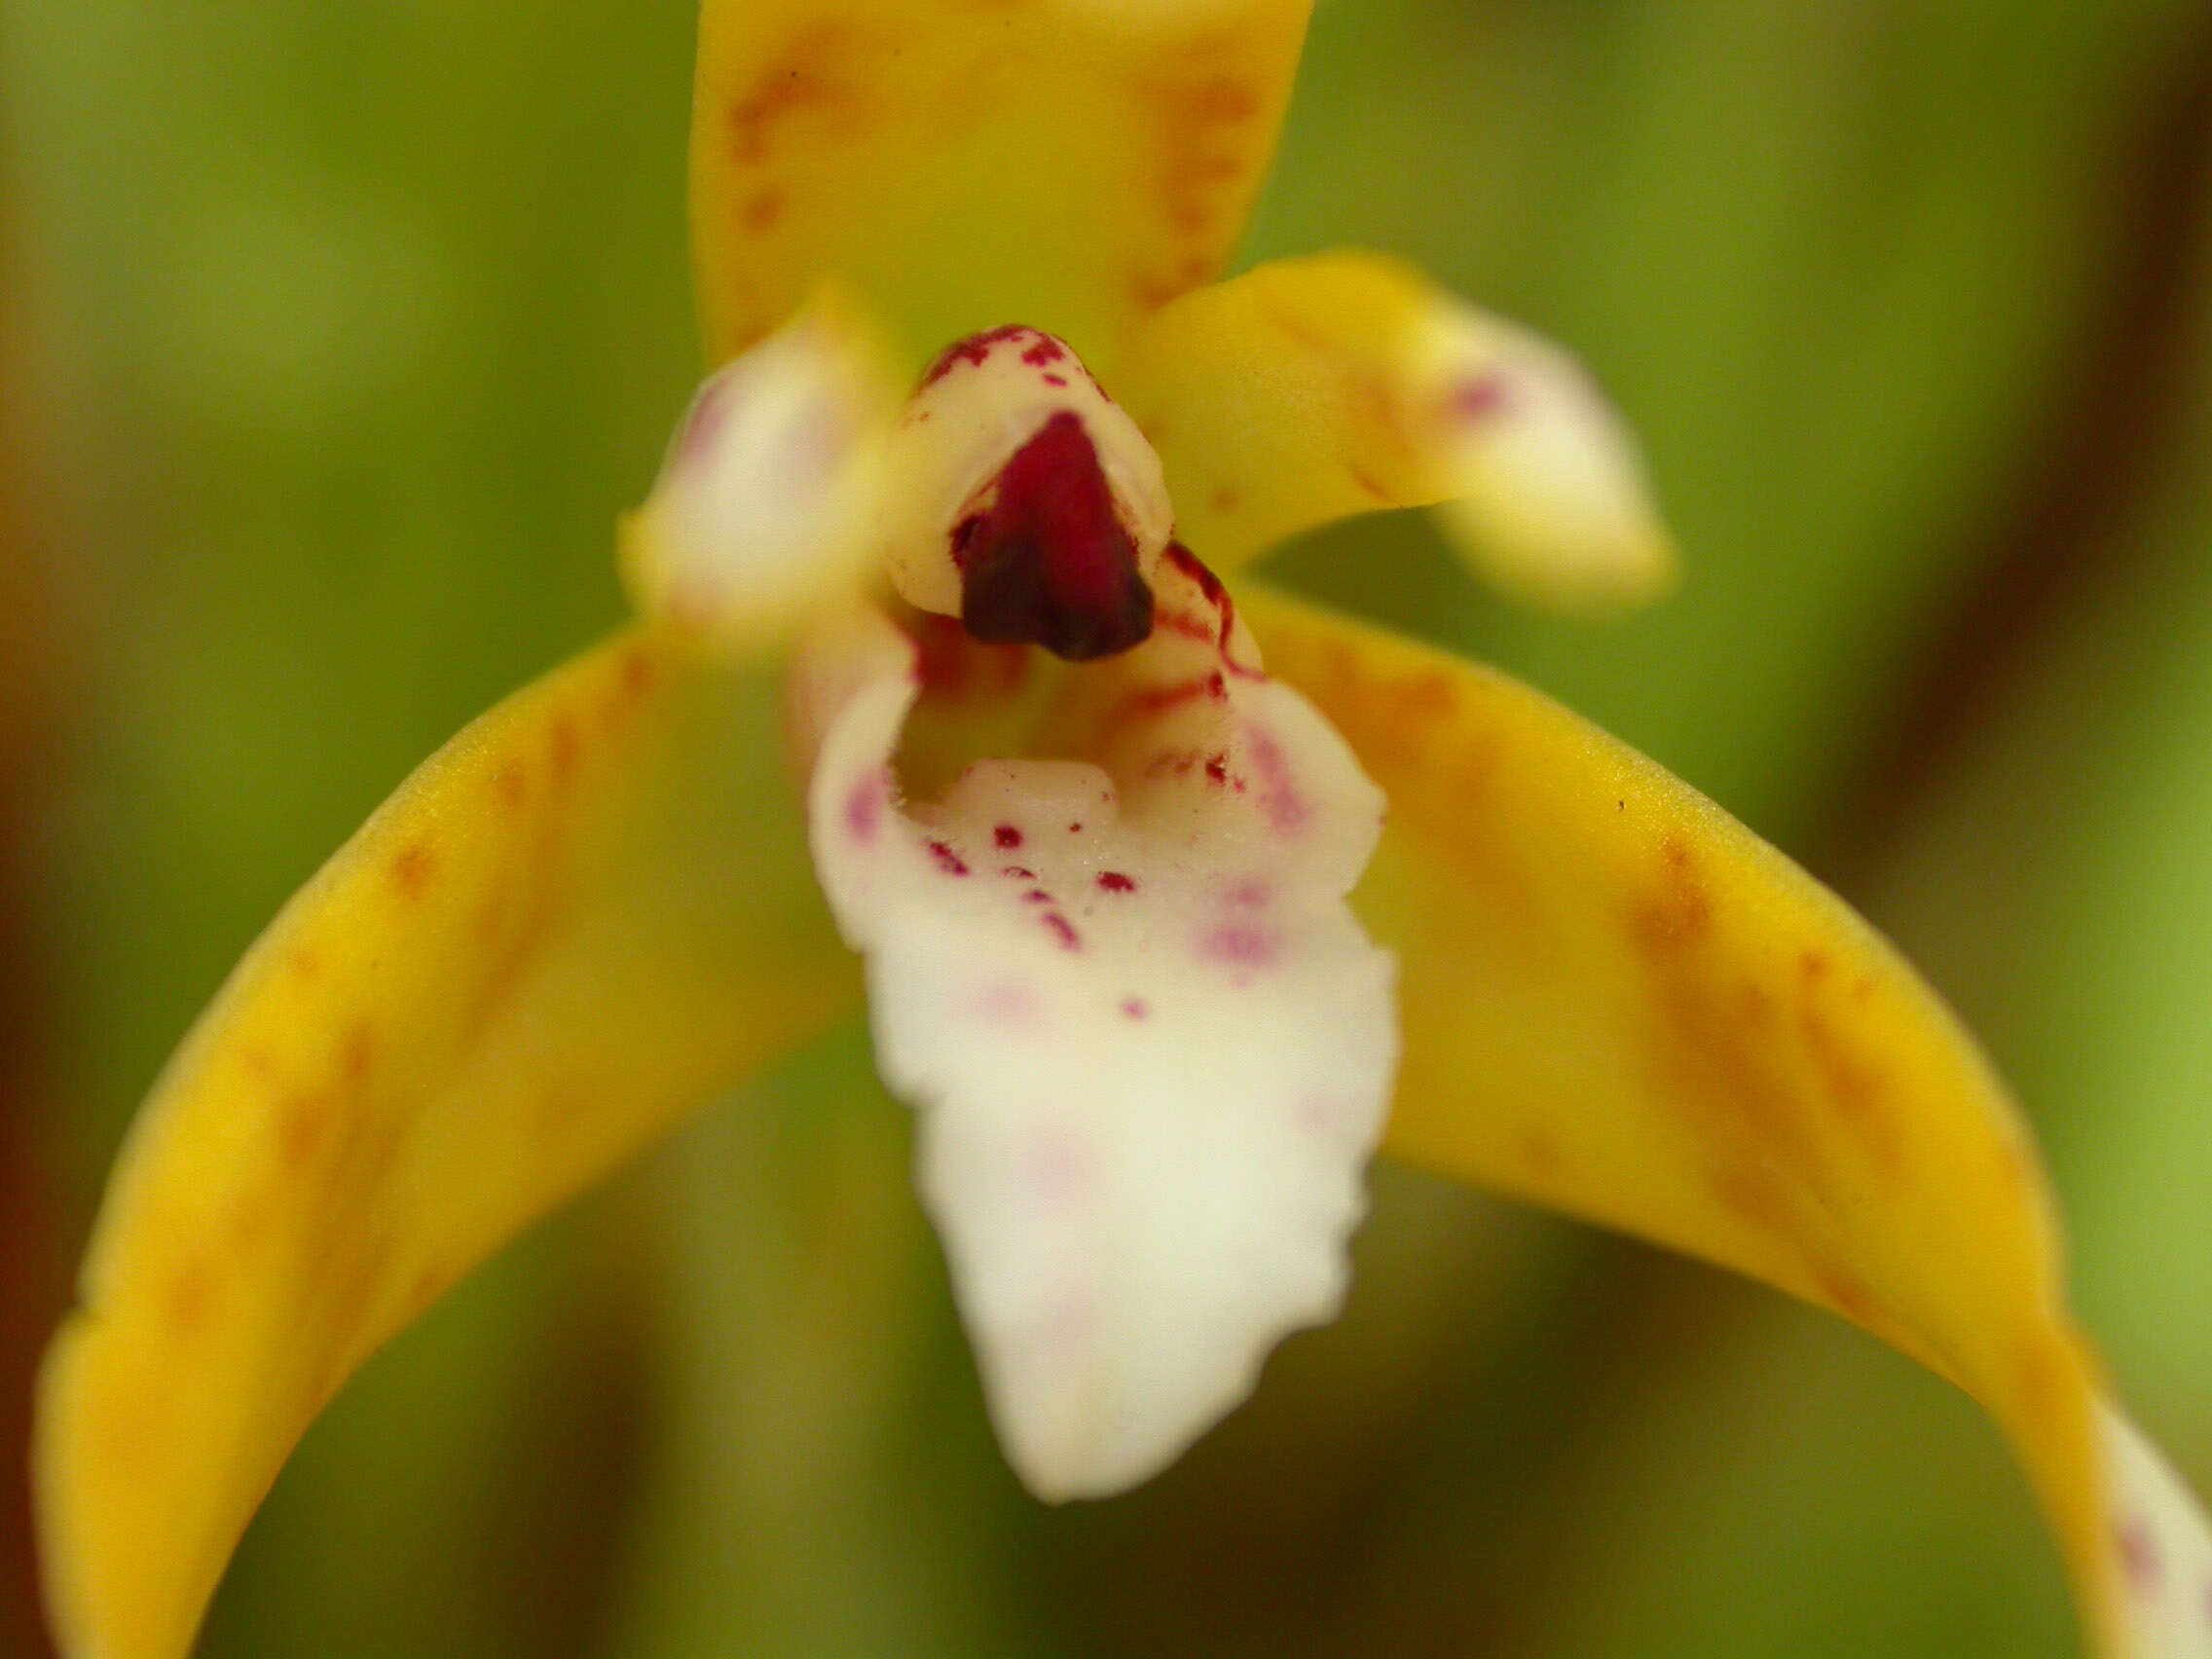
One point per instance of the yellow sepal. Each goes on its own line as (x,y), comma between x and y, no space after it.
(1068,165)
(582,917)
(1620,1003)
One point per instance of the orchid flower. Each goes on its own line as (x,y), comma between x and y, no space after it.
(1175,895)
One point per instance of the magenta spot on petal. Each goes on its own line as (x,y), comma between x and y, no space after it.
(1239,944)
(1114,881)
(1134,1008)
(1009,1001)
(1021,873)
(710,413)
(1208,585)
(1217,768)
(2138,1555)
(1250,893)
(1044,349)
(1482,397)
(1075,829)
(1060,1163)
(1056,379)
(974,349)
(1285,807)
(1006,835)
(1037,896)
(1063,929)
(948,859)
(864,809)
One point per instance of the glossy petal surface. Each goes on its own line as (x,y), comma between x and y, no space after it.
(1621,1003)
(1065,164)
(583,916)
(1311,389)
(1150,1046)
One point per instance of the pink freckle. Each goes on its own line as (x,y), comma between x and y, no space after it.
(864,809)
(1286,809)
(1059,1164)
(1007,1002)
(709,415)
(1063,929)
(1320,1113)
(2138,1555)
(1482,397)
(1134,1008)
(948,859)
(1020,872)
(1056,379)
(1239,944)
(1006,835)
(1114,881)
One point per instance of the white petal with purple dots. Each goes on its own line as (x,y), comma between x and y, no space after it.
(1150,1046)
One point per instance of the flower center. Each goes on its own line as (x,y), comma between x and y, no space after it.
(1031,506)
(1048,563)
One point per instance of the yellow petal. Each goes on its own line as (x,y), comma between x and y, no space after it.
(1621,1003)
(1311,389)
(1065,164)
(579,919)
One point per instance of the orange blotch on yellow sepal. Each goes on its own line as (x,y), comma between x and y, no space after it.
(1619,1003)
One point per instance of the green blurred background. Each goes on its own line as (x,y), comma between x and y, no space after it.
(336,334)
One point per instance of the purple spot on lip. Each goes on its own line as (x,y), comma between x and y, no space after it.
(1064,929)
(864,809)
(948,859)
(1134,1008)
(1006,835)
(1114,881)
(1286,808)
(1020,872)
(1239,944)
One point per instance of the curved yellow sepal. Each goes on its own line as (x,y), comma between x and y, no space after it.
(1311,389)
(1620,1003)
(580,918)
(1064,164)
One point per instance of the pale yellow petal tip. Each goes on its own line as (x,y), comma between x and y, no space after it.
(2162,1551)
(1545,495)
(765,509)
